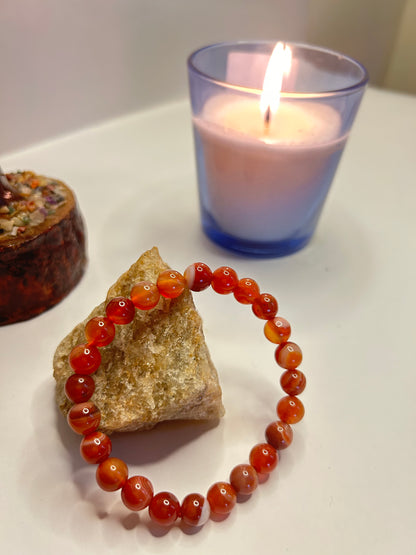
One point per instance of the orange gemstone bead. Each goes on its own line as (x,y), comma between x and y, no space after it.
(198,276)
(293,382)
(244,479)
(171,284)
(264,458)
(111,474)
(85,359)
(164,508)
(224,280)
(100,331)
(145,295)
(120,310)
(290,409)
(288,355)
(277,330)
(79,388)
(265,306)
(95,447)
(195,510)
(279,434)
(246,291)
(84,418)
(137,493)
(222,498)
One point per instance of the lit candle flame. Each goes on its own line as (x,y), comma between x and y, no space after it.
(278,66)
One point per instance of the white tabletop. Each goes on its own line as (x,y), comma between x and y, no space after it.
(348,482)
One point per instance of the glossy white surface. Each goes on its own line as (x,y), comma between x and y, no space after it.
(347,484)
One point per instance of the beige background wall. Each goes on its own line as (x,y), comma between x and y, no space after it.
(67,64)
(380,33)
(364,29)
(401,69)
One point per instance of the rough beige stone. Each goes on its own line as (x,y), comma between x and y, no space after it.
(157,368)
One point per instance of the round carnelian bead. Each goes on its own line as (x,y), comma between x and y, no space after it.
(288,355)
(277,330)
(171,284)
(265,306)
(279,434)
(84,418)
(246,291)
(244,479)
(195,510)
(85,359)
(100,331)
(111,474)
(290,409)
(224,280)
(222,498)
(293,382)
(264,458)
(145,295)
(120,310)
(198,276)
(79,388)
(164,508)
(95,447)
(137,493)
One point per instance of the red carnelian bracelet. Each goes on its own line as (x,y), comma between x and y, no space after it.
(84,417)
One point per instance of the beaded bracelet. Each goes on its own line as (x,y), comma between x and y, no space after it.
(84,417)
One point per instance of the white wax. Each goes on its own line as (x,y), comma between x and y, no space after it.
(263,183)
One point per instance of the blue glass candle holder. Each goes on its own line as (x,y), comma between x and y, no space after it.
(263,178)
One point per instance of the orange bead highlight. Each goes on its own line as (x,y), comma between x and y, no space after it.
(195,510)
(265,306)
(171,284)
(224,280)
(137,493)
(290,409)
(293,382)
(85,359)
(111,474)
(222,498)
(277,330)
(264,458)
(279,434)
(164,508)
(244,479)
(120,310)
(288,355)
(246,291)
(100,331)
(198,276)
(79,388)
(145,295)
(84,418)
(95,447)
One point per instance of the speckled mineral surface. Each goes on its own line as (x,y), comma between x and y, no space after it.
(157,368)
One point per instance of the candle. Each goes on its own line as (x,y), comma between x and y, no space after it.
(266,160)
(262,180)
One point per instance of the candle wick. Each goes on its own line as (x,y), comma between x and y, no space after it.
(267,118)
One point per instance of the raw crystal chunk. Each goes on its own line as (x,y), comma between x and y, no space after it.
(157,368)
